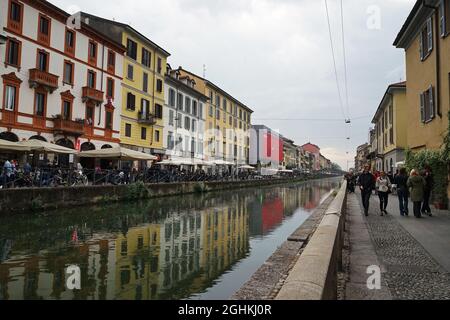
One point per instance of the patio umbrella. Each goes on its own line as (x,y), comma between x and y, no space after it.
(247,167)
(12,146)
(42,146)
(117,153)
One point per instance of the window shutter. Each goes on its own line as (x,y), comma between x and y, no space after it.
(430,34)
(421,45)
(442,18)
(432,108)
(422,107)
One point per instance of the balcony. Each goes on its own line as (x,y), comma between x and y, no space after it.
(75,128)
(93,95)
(39,78)
(144,118)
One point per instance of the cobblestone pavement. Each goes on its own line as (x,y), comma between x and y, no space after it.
(409,270)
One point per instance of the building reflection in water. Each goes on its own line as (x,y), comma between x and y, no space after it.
(165,249)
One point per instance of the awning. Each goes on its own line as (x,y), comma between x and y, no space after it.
(119,153)
(42,146)
(12,146)
(223,163)
(247,167)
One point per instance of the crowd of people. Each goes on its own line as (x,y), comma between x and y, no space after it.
(415,186)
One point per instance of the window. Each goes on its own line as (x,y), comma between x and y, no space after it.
(211,111)
(218,101)
(172,97)
(144,133)
(444,14)
(40,104)
(145,82)
(15,14)
(10,98)
(91,79)
(158,111)
(108,120)
(159,65)
(69,46)
(218,114)
(68,72)
(159,85)
(427,108)
(193,127)
(13,49)
(170,142)
(44,30)
(92,53)
(391,135)
(128,130)
(426,39)
(194,108)
(145,108)
(179,120)
(391,114)
(42,61)
(131,101)
(230,122)
(146,58)
(187,105)
(130,72)
(171,117)
(180,102)
(90,115)
(132,49)
(67,110)
(111,61)
(200,110)
(157,135)
(110,88)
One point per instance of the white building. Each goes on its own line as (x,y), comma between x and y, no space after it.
(184,119)
(61,80)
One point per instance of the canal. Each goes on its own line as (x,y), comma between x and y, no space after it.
(188,247)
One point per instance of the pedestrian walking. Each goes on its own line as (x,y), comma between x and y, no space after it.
(366,183)
(383,187)
(401,180)
(429,184)
(416,184)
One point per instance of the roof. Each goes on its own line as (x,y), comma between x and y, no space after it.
(186,87)
(311,144)
(63,15)
(389,90)
(127,26)
(217,88)
(408,21)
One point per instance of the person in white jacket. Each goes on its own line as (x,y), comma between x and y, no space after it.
(383,186)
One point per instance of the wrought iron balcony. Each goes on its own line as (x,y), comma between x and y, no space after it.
(42,78)
(68,126)
(90,94)
(146,118)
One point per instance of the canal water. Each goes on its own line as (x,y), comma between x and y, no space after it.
(188,247)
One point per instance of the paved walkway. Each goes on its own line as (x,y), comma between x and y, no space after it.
(413,254)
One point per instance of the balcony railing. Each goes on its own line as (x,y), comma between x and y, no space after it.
(146,118)
(68,126)
(42,78)
(90,94)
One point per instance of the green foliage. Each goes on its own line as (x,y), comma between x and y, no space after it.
(137,191)
(200,188)
(37,204)
(436,159)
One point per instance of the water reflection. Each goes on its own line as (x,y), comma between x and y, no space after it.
(171,248)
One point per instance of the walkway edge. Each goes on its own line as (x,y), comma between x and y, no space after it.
(314,276)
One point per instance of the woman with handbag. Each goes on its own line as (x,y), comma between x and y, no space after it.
(383,186)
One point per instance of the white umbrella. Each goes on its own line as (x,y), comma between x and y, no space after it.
(12,146)
(223,163)
(117,153)
(247,167)
(42,146)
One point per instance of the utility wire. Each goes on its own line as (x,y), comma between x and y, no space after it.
(334,61)
(345,59)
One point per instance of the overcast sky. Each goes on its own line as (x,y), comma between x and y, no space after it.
(275,56)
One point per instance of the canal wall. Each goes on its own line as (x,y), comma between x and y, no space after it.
(306,266)
(29,200)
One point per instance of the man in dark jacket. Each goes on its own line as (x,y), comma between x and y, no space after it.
(429,183)
(366,183)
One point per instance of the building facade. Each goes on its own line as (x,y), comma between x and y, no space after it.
(314,152)
(143,93)
(228,123)
(361,159)
(61,81)
(184,118)
(391,121)
(266,147)
(289,154)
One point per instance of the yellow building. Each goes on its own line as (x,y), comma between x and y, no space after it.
(391,123)
(228,123)
(142,86)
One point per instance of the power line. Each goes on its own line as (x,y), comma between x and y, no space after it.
(309,119)
(345,59)
(334,60)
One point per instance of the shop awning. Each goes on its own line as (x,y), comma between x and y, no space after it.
(119,153)
(223,163)
(42,146)
(12,146)
(247,167)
